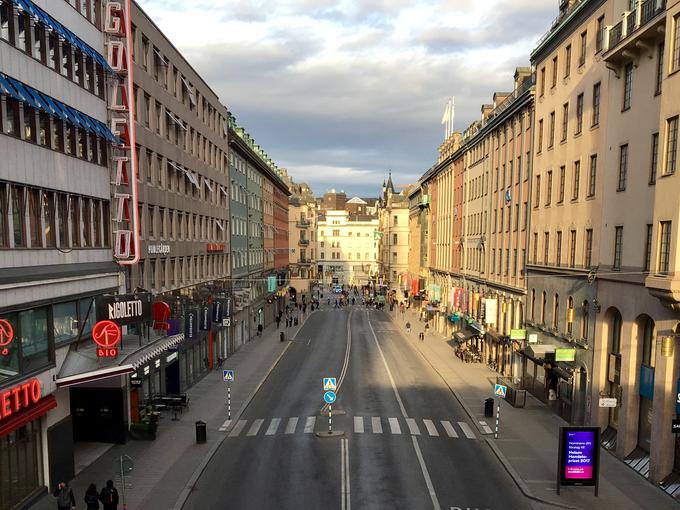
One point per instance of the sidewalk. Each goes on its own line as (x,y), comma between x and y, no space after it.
(164,467)
(528,437)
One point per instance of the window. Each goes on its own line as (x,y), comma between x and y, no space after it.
(554,72)
(618,247)
(565,121)
(659,69)
(676,43)
(537,191)
(572,248)
(4,21)
(48,211)
(394,239)
(395,220)
(654,158)
(664,247)
(627,85)
(551,139)
(560,197)
(34,338)
(540,136)
(671,145)
(648,248)
(596,103)
(35,218)
(582,49)
(534,257)
(567,61)
(577,180)
(542,81)
(548,194)
(588,255)
(558,249)
(592,175)
(623,168)
(18,217)
(4,210)
(544,301)
(579,114)
(546,247)
(599,36)
(65,317)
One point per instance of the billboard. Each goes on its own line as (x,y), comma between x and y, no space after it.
(579,457)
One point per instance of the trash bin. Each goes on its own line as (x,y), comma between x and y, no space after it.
(201,432)
(488,407)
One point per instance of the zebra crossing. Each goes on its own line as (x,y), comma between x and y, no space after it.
(360,425)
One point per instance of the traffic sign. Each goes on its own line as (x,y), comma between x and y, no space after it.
(228,375)
(329,397)
(500,390)
(329,384)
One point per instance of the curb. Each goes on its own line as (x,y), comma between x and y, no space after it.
(521,484)
(188,488)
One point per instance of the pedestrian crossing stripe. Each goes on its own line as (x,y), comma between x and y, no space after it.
(360,425)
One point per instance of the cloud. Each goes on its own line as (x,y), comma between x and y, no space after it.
(340,91)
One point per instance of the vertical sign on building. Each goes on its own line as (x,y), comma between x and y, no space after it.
(118,29)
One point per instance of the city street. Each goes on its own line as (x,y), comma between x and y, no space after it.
(407,443)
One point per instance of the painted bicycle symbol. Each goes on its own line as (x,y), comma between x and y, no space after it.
(106,334)
(6,336)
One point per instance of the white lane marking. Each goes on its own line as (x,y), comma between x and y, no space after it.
(450,431)
(466,430)
(347,479)
(428,480)
(358,424)
(344,475)
(273,427)
(345,364)
(225,425)
(485,427)
(309,424)
(431,429)
(377,426)
(238,428)
(412,426)
(292,423)
(309,341)
(394,426)
(255,427)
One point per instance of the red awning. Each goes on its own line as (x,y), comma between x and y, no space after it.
(23,417)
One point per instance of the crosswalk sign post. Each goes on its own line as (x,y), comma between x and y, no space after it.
(329,384)
(500,391)
(329,397)
(228,377)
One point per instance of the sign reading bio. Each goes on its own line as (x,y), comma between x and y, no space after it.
(19,397)
(118,29)
(6,336)
(579,457)
(106,334)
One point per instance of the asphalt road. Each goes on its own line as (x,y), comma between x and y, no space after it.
(407,442)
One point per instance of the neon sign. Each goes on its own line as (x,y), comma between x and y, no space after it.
(6,336)
(19,397)
(106,334)
(118,27)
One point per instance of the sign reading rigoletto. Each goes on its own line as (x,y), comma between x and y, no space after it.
(118,29)
(124,309)
(19,397)
(579,456)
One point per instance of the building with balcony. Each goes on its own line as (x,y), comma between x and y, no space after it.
(302,228)
(393,242)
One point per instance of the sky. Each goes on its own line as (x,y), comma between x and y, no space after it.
(341,92)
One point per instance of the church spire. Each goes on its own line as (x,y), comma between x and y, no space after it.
(390,185)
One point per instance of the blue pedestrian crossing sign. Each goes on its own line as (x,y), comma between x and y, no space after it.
(329,384)
(500,390)
(329,397)
(228,375)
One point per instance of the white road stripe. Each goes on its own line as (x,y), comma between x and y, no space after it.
(449,428)
(431,429)
(394,426)
(485,427)
(358,424)
(309,424)
(273,427)
(255,427)
(292,423)
(466,430)
(426,475)
(238,428)
(377,426)
(412,426)
(225,425)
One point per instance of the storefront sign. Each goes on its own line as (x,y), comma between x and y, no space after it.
(158,249)
(533,338)
(190,324)
(518,334)
(607,402)
(6,336)
(218,307)
(19,397)
(118,29)
(227,307)
(205,318)
(171,357)
(161,315)
(579,456)
(675,426)
(124,309)
(106,334)
(677,397)
(215,247)
(565,354)
(491,305)
(135,383)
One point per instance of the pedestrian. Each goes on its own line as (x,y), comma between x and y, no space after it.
(64,495)
(421,336)
(259,330)
(278,321)
(408,327)
(427,327)
(282,336)
(109,496)
(92,497)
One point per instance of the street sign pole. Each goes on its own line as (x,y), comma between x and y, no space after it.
(229,402)
(330,419)
(498,418)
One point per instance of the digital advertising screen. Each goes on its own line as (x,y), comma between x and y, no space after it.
(579,455)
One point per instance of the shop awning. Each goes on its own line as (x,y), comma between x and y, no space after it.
(94,375)
(538,351)
(23,417)
(462,336)
(139,358)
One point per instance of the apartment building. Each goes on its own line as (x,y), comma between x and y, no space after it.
(302,228)
(393,242)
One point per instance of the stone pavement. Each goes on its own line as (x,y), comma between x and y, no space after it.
(528,437)
(164,467)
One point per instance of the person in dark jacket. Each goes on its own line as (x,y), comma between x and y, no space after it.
(109,496)
(92,497)
(64,495)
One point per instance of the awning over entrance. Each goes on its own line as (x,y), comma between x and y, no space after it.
(462,336)
(23,417)
(538,351)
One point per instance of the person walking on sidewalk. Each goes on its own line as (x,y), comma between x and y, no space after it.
(421,336)
(64,495)
(92,497)
(408,327)
(278,321)
(427,328)
(109,496)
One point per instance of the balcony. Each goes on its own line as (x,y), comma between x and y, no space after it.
(303,242)
(638,31)
(304,261)
(303,224)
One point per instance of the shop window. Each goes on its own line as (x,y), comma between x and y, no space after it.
(65,317)
(86,315)
(21,457)
(34,339)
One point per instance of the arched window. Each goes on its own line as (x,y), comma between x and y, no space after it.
(570,315)
(648,344)
(543,303)
(556,311)
(585,320)
(532,310)
(615,338)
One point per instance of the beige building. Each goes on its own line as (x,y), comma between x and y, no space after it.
(302,228)
(393,242)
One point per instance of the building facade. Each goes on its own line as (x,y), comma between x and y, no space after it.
(393,237)
(302,228)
